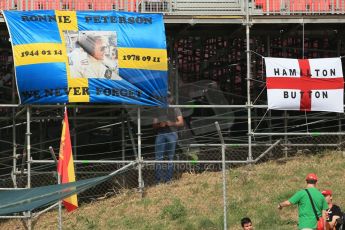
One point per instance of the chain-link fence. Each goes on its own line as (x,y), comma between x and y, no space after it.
(114,139)
(105,139)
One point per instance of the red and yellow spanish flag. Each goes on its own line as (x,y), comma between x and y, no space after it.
(66,164)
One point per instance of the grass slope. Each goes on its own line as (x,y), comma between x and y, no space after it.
(195,201)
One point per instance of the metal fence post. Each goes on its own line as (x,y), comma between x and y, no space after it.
(51,150)
(285,131)
(75,136)
(224,173)
(140,176)
(123,142)
(339,130)
(123,137)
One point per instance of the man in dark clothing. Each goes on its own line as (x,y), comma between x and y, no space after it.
(333,212)
(306,216)
(166,123)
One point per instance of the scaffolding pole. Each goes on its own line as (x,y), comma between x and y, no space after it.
(311,134)
(249,103)
(28,149)
(14,143)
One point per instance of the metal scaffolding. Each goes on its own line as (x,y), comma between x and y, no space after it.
(274,137)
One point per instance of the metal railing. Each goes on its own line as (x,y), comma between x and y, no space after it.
(291,7)
(187,7)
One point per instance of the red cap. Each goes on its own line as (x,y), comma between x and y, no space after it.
(311,176)
(327,192)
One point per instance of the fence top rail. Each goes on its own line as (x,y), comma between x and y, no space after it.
(188,7)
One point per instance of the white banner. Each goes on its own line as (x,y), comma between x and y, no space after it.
(305,84)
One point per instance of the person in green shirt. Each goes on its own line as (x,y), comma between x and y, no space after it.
(306,216)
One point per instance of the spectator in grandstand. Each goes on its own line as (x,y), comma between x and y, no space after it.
(1,78)
(333,212)
(7,77)
(90,59)
(166,123)
(246,223)
(304,199)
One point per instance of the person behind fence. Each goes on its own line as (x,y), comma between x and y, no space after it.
(246,223)
(166,122)
(311,205)
(89,59)
(6,78)
(333,213)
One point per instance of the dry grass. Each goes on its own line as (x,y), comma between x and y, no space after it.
(195,201)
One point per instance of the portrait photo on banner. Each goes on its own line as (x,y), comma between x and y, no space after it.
(92,54)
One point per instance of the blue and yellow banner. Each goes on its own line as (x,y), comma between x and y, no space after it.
(89,56)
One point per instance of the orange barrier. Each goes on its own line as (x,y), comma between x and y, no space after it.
(122,5)
(267,6)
